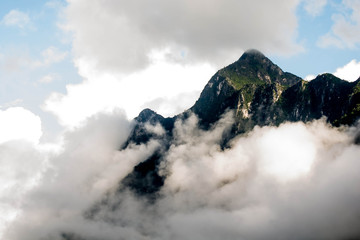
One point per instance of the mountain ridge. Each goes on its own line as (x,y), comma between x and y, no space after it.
(261,94)
(254,98)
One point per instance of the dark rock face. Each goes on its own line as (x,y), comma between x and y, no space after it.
(144,179)
(259,93)
(140,134)
(236,85)
(326,95)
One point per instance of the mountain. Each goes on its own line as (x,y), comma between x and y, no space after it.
(260,93)
(257,92)
(251,86)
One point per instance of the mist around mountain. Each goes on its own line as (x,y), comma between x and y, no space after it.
(257,93)
(262,154)
(261,94)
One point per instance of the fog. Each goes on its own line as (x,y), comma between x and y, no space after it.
(295,181)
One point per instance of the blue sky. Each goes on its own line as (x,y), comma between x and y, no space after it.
(35,55)
(317,58)
(65,61)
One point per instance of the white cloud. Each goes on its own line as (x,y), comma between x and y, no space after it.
(243,199)
(14,62)
(20,161)
(350,71)
(54,4)
(17,123)
(310,77)
(160,55)
(158,86)
(16,18)
(278,146)
(42,185)
(120,35)
(50,56)
(12,103)
(21,166)
(328,40)
(53,55)
(48,78)
(20,60)
(345,32)
(314,7)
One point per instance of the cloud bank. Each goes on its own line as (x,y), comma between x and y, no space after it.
(153,54)
(121,35)
(238,193)
(16,18)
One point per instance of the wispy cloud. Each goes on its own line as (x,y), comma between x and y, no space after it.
(48,78)
(12,103)
(345,31)
(54,4)
(16,18)
(17,61)
(315,7)
(50,56)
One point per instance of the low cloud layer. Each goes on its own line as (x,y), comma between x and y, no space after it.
(294,181)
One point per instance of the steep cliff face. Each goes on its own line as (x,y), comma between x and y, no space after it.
(251,84)
(259,93)
(326,95)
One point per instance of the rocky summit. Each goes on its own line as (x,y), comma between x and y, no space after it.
(261,94)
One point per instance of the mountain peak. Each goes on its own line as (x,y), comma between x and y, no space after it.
(237,84)
(148,115)
(256,58)
(253,67)
(327,76)
(252,53)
